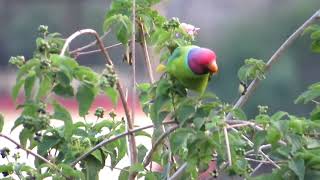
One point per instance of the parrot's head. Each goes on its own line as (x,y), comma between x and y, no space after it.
(202,61)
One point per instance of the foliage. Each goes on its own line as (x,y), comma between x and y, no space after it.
(289,143)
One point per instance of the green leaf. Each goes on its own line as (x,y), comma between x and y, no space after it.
(47,143)
(25,69)
(6,168)
(259,139)
(86,75)
(24,135)
(185,112)
(29,84)
(315,46)
(1,122)
(69,171)
(273,135)
(112,93)
(278,115)
(136,168)
(16,89)
(315,114)
(92,168)
(315,35)
(239,114)
(105,123)
(142,151)
(45,87)
(179,138)
(124,174)
(312,93)
(85,97)
(142,133)
(62,114)
(64,91)
(297,166)
(144,87)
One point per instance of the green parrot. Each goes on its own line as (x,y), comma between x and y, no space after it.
(192,66)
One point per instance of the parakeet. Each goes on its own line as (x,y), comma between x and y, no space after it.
(192,66)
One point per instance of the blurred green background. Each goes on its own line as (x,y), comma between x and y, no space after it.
(236,30)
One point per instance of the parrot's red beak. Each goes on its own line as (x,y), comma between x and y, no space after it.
(213,67)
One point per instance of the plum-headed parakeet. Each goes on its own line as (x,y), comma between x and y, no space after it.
(192,66)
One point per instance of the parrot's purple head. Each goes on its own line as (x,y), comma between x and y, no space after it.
(202,61)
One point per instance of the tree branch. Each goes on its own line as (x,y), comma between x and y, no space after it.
(179,172)
(132,142)
(93,43)
(77,54)
(226,138)
(133,156)
(148,157)
(107,141)
(146,53)
(29,151)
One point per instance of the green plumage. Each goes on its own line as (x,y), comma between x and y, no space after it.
(177,66)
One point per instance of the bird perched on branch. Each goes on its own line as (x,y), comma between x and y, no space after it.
(192,66)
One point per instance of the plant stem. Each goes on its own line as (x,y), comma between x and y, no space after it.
(29,151)
(148,157)
(146,53)
(226,138)
(90,44)
(179,172)
(95,51)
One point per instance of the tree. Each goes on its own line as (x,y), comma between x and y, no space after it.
(193,136)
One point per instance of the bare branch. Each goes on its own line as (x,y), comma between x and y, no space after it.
(133,150)
(226,138)
(107,141)
(179,172)
(146,53)
(90,44)
(148,157)
(77,54)
(256,168)
(29,151)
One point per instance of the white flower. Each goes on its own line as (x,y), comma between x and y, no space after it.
(190,29)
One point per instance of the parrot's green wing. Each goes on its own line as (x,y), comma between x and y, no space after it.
(178,67)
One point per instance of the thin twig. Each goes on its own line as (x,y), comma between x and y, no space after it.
(133,157)
(148,157)
(29,151)
(146,53)
(269,159)
(93,43)
(107,141)
(256,168)
(226,138)
(120,169)
(257,160)
(96,50)
(179,172)
(132,142)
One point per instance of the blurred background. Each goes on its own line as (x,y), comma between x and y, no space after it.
(234,29)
